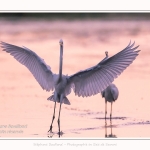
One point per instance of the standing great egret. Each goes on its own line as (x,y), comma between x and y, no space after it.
(84,83)
(110,94)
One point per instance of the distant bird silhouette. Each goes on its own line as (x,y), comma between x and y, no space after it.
(84,83)
(110,94)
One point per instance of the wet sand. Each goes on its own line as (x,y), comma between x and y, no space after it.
(23,102)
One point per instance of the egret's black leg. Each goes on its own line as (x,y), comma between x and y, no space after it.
(111,112)
(105,109)
(50,130)
(59,119)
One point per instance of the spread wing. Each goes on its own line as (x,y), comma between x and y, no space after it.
(95,79)
(33,62)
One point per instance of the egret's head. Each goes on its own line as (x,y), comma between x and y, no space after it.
(106,53)
(61,42)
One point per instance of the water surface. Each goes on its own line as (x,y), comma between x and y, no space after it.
(25,111)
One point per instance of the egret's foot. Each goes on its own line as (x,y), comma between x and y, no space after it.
(51,135)
(60,133)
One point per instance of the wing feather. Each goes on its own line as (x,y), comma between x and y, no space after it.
(95,79)
(36,65)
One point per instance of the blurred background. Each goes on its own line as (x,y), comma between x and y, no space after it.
(86,37)
(77,16)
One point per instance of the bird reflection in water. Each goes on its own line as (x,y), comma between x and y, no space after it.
(111,135)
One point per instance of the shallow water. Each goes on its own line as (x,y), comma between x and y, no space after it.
(23,102)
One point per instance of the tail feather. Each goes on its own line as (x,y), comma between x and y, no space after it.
(65,100)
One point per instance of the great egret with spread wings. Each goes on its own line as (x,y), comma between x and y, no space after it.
(84,83)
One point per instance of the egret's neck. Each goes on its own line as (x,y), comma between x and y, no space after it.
(60,62)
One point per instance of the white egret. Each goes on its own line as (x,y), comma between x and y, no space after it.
(84,83)
(110,94)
